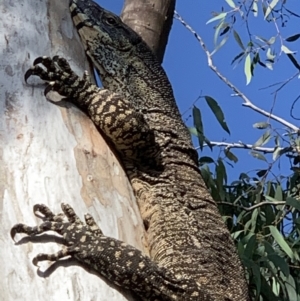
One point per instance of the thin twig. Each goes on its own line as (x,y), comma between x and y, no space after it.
(266,150)
(247,102)
(276,203)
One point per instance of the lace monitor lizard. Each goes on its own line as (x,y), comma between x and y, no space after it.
(192,255)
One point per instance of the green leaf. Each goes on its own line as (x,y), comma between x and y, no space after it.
(225,30)
(281,242)
(277,141)
(240,246)
(230,155)
(266,291)
(293,60)
(277,153)
(271,199)
(247,69)
(286,50)
(255,9)
(278,193)
(218,28)
(280,263)
(254,219)
(220,45)
(275,286)
(258,155)
(270,216)
(193,131)
(269,66)
(270,8)
(230,3)
(236,234)
(199,126)
(293,38)
(261,125)
(218,17)
(271,40)
(256,58)
(261,39)
(254,268)
(262,172)
(270,55)
(206,160)
(264,139)
(244,176)
(237,57)
(291,288)
(250,247)
(293,202)
(221,170)
(217,112)
(238,40)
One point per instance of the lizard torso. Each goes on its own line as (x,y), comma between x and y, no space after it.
(186,233)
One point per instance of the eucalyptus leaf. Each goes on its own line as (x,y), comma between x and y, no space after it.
(293,202)
(238,40)
(281,241)
(293,38)
(216,109)
(230,3)
(230,155)
(247,69)
(218,17)
(271,7)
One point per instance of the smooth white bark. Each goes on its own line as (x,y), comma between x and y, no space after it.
(50,154)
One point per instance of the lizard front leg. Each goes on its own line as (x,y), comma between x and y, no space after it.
(111,112)
(119,262)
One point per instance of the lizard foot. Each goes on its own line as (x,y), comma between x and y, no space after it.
(78,235)
(61,78)
(119,262)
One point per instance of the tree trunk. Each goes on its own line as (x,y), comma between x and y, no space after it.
(152,20)
(50,154)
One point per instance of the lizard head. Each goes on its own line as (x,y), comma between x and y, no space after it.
(107,40)
(124,62)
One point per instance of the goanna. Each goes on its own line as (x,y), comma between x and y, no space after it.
(192,255)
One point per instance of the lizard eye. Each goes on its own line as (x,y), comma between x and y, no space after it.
(111,21)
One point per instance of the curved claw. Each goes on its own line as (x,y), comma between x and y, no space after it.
(39,60)
(28,74)
(18,228)
(13,233)
(49,88)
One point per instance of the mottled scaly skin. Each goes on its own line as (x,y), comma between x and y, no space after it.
(192,255)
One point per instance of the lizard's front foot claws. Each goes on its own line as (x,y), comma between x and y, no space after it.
(18,228)
(59,75)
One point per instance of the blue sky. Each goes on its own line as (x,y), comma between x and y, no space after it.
(186,66)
